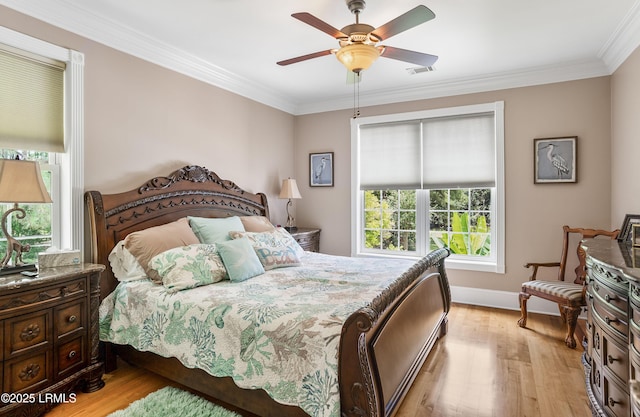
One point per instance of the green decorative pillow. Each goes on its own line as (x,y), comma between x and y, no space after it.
(214,230)
(189,267)
(275,249)
(240,259)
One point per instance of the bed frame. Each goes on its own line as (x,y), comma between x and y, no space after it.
(382,346)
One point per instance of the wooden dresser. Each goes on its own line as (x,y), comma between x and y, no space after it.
(49,335)
(308,238)
(612,345)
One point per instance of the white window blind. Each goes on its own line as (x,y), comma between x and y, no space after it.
(31,102)
(459,152)
(390,156)
(445,152)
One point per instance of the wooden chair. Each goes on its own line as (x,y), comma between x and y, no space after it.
(570,296)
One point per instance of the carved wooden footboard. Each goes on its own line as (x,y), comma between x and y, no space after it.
(382,346)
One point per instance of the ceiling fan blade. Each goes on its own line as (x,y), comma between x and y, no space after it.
(412,18)
(310,19)
(305,57)
(418,58)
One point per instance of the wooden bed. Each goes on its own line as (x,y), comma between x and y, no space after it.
(382,346)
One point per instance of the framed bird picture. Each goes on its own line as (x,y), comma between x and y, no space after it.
(321,169)
(555,160)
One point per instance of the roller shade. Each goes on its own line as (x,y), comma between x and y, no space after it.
(446,152)
(459,152)
(31,102)
(390,156)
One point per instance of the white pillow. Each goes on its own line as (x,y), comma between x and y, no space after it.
(124,265)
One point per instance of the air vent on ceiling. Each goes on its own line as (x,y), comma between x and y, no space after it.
(419,70)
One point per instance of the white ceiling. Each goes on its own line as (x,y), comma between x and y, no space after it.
(235,44)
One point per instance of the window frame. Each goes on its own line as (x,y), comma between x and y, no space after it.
(496,264)
(70,195)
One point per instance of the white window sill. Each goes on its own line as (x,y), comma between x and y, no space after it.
(450,263)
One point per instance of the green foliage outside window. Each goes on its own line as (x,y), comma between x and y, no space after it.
(459,219)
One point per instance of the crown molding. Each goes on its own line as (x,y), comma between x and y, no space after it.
(113,34)
(477,84)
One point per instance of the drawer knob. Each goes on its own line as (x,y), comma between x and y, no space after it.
(72,354)
(611,359)
(30,332)
(610,298)
(72,319)
(609,320)
(612,402)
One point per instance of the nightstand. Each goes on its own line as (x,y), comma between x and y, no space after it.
(49,335)
(308,238)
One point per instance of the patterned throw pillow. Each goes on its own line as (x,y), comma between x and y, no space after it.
(189,267)
(240,259)
(275,249)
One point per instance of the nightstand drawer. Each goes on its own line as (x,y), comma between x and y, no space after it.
(69,318)
(308,239)
(71,355)
(15,301)
(28,374)
(30,331)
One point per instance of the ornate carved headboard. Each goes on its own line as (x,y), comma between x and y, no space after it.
(190,191)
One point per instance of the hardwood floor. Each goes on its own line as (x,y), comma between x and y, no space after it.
(485,366)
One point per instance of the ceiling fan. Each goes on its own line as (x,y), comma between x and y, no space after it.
(359,42)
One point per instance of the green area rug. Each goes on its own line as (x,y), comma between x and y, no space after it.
(171,402)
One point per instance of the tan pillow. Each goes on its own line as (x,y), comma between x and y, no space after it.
(145,244)
(256,224)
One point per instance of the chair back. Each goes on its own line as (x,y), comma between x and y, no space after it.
(581,269)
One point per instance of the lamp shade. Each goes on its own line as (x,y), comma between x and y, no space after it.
(21,182)
(289,189)
(358,56)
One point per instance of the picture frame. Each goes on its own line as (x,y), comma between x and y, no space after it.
(625,234)
(555,160)
(321,169)
(635,235)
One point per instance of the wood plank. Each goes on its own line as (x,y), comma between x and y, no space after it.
(485,366)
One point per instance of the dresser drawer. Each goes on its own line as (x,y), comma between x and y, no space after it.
(71,355)
(69,318)
(615,358)
(610,296)
(615,398)
(28,374)
(609,318)
(27,332)
(16,301)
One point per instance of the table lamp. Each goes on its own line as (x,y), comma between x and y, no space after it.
(290,190)
(20,182)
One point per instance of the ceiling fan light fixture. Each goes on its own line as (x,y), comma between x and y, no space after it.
(358,56)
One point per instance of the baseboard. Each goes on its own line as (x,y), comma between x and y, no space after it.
(502,299)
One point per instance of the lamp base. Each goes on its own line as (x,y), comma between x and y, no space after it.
(8,270)
(291,228)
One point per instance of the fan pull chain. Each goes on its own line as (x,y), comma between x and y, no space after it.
(356,95)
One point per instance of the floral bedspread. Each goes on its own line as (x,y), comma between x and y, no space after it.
(278,331)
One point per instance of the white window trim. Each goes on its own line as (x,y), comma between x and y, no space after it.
(498,265)
(71,216)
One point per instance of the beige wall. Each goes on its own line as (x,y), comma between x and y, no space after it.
(534,213)
(142,119)
(625,144)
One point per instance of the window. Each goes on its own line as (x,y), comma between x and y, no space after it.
(62,166)
(431,179)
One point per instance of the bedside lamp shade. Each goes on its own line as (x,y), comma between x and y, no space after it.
(20,182)
(290,190)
